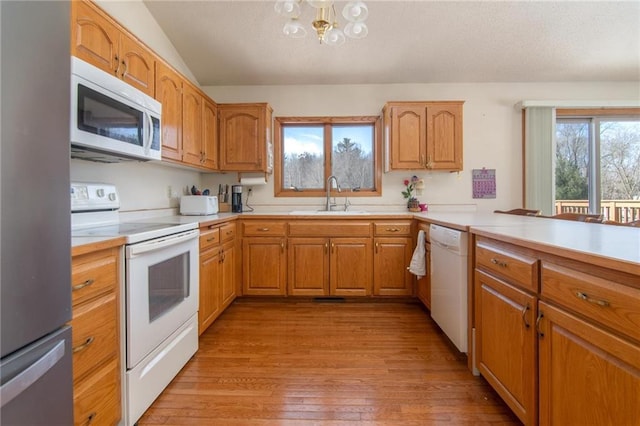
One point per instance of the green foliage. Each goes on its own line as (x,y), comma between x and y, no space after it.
(570,182)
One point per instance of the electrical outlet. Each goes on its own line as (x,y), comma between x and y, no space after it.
(169,191)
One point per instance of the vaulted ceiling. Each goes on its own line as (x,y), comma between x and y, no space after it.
(241,42)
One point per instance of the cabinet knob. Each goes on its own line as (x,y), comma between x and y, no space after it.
(83,285)
(263,229)
(84,345)
(90,418)
(584,296)
(524,318)
(125,68)
(498,262)
(393,230)
(538,320)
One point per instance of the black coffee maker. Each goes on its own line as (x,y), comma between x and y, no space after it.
(236,198)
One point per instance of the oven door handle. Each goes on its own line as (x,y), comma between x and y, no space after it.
(161,243)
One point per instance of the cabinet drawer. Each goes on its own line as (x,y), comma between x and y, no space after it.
(392,228)
(209,238)
(608,302)
(423,226)
(314,228)
(509,264)
(227,232)
(96,400)
(270,229)
(95,334)
(93,274)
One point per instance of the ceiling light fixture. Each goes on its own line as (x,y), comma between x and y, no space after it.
(325,22)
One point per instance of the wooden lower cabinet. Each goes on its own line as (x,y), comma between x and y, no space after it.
(228,273)
(391,258)
(218,272)
(96,337)
(308,266)
(330,266)
(588,376)
(264,263)
(350,267)
(506,343)
(209,306)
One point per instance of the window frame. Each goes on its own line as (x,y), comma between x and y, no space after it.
(593,117)
(327,122)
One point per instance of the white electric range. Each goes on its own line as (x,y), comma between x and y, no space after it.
(159,292)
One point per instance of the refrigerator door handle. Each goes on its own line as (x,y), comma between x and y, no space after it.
(30,375)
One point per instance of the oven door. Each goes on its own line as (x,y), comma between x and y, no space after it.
(161,290)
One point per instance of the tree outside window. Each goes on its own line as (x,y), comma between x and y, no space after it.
(309,150)
(598,166)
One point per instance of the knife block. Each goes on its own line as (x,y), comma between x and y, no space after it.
(224,207)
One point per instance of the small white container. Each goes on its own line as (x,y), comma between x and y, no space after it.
(198,205)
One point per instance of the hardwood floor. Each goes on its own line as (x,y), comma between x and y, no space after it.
(326,363)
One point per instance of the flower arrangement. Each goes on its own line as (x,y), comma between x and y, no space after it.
(410,185)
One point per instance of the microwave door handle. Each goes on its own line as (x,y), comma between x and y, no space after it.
(149,138)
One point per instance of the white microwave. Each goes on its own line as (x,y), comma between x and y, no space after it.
(111,121)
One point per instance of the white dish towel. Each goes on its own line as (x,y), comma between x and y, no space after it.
(418,265)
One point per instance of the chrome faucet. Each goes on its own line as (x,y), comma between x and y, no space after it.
(328,203)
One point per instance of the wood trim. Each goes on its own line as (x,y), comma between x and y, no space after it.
(590,112)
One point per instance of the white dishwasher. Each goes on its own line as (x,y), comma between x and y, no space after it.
(449,283)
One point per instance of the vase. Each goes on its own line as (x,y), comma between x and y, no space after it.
(413,205)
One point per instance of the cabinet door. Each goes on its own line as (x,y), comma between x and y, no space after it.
(351,270)
(308,266)
(210,135)
(587,375)
(390,261)
(242,138)
(264,266)
(137,65)
(444,136)
(93,37)
(408,137)
(191,125)
(228,274)
(506,343)
(209,306)
(169,94)
(424,284)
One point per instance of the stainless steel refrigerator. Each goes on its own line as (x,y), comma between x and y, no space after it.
(35,363)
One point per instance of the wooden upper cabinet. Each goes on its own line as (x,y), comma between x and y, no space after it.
(245,137)
(209,134)
(191,125)
(408,125)
(423,135)
(137,65)
(444,136)
(169,94)
(97,39)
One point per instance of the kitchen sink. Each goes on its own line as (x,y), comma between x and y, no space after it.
(328,213)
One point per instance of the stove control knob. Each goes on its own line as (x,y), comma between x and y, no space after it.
(112,196)
(100,192)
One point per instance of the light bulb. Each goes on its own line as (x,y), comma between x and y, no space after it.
(288,8)
(334,37)
(355,11)
(356,30)
(294,29)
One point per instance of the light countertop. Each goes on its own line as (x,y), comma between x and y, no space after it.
(592,242)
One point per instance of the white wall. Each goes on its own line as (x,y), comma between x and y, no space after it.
(492,130)
(135,17)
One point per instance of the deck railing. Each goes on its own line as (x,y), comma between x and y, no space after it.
(617,210)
